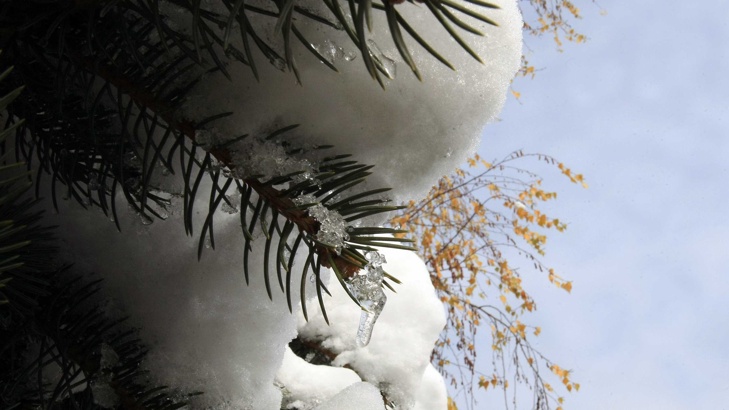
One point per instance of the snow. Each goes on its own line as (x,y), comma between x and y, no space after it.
(432,394)
(205,329)
(437,122)
(359,396)
(308,385)
(399,350)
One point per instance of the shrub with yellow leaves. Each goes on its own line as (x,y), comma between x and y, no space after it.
(467,228)
(553,18)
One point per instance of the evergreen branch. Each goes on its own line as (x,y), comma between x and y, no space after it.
(93,163)
(99,362)
(40,307)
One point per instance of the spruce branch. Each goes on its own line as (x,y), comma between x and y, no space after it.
(282,204)
(109,91)
(46,322)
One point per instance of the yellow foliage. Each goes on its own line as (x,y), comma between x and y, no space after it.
(461,228)
(553,17)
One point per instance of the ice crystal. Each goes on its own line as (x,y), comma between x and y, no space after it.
(387,64)
(333,52)
(333,229)
(305,199)
(268,159)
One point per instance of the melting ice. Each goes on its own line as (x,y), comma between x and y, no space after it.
(367,288)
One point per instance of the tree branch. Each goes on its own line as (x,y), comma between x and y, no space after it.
(283,205)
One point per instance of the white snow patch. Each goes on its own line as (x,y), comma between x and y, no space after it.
(205,329)
(414,132)
(432,394)
(359,396)
(308,385)
(399,351)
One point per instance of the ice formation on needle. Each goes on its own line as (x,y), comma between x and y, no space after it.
(366,286)
(266,159)
(398,353)
(333,227)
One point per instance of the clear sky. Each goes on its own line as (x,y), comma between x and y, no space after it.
(642,109)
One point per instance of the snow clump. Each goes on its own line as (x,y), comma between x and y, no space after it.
(414,132)
(398,353)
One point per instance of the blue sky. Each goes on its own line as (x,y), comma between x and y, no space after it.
(642,109)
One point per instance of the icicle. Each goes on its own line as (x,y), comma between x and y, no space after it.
(367,288)
(367,321)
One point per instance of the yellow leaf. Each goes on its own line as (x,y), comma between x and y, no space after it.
(567,286)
